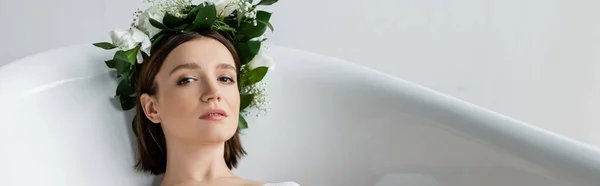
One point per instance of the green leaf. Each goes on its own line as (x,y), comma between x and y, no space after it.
(158,37)
(105,45)
(245,100)
(133,128)
(132,54)
(240,17)
(255,75)
(122,62)
(263,16)
(111,63)
(247,50)
(124,88)
(193,13)
(243,124)
(248,31)
(127,102)
(128,76)
(266,23)
(207,15)
(267,2)
(223,27)
(172,21)
(158,24)
(182,27)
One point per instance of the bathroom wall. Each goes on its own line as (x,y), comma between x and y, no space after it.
(534,60)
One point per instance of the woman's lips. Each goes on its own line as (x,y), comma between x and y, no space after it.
(214,114)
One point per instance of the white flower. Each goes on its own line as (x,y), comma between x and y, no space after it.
(155,13)
(129,39)
(226,7)
(261,101)
(262,59)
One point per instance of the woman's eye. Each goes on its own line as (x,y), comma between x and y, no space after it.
(226,79)
(186,80)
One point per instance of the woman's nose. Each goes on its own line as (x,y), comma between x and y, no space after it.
(210,91)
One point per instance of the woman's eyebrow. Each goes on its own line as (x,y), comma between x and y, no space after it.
(226,66)
(196,66)
(184,66)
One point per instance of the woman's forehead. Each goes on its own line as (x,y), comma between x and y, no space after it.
(205,52)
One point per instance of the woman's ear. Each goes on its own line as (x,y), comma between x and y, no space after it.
(149,107)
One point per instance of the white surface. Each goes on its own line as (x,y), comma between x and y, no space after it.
(332,123)
(536,60)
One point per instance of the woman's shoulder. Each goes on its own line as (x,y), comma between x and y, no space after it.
(288,183)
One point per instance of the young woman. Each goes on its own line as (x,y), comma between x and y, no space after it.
(190,84)
(188,111)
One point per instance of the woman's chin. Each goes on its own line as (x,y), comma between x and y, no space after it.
(216,133)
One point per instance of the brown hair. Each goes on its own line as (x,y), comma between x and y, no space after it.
(151,146)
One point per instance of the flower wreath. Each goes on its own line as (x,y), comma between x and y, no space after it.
(237,20)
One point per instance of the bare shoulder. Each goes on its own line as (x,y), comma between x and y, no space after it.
(248,182)
(229,181)
(288,183)
(261,183)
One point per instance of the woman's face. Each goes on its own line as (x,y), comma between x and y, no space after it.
(197,100)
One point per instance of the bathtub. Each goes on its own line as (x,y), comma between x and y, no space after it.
(331,123)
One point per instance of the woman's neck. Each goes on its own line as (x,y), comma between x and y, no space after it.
(188,164)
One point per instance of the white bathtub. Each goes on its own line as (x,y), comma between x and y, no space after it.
(332,123)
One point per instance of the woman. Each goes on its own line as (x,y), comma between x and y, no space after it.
(188,111)
(180,62)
